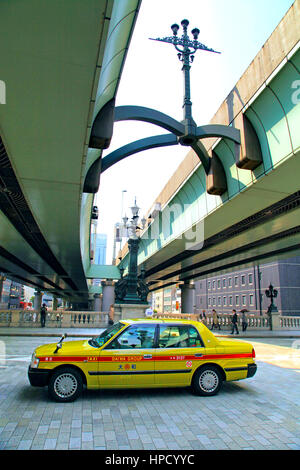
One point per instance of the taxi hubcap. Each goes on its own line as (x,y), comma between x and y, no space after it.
(208,381)
(65,385)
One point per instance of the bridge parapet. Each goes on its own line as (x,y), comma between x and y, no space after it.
(254,322)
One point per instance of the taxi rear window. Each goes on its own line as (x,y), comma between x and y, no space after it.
(179,336)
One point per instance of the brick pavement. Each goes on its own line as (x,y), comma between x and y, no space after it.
(262,412)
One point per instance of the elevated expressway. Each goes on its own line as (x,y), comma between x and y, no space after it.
(248,210)
(61,63)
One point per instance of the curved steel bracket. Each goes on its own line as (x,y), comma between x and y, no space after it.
(163,140)
(140,113)
(182,133)
(218,130)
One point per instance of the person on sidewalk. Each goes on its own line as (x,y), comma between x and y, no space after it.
(234,322)
(216,323)
(244,320)
(43,315)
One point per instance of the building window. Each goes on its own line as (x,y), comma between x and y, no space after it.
(237,300)
(224,283)
(243,280)
(250,278)
(214,301)
(251,299)
(208,285)
(236,282)
(219,301)
(219,283)
(243,300)
(230,300)
(229,282)
(224,301)
(209,301)
(214,284)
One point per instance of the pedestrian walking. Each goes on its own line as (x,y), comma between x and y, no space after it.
(43,315)
(216,323)
(234,321)
(244,319)
(204,319)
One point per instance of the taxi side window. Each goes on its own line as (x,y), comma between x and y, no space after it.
(181,336)
(135,337)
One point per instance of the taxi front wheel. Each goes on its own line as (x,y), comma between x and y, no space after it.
(207,381)
(65,385)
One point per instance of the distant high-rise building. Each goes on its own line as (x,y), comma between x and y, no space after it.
(100,249)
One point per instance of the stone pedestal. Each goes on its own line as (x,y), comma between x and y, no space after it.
(108,295)
(187,297)
(15,318)
(129,311)
(274,318)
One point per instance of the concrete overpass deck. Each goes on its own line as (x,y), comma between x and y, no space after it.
(61,63)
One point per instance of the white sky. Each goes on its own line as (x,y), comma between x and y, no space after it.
(152,77)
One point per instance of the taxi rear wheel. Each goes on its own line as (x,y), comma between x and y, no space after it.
(65,385)
(207,381)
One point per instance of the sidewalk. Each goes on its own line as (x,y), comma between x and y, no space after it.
(89,332)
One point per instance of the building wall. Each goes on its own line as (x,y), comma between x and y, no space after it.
(245,288)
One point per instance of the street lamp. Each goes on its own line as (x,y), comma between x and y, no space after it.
(186,49)
(132,288)
(271,293)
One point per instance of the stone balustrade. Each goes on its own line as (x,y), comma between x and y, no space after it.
(54,319)
(89,319)
(254,322)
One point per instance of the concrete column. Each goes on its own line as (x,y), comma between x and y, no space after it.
(97,303)
(108,295)
(55,302)
(187,297)
(37,300)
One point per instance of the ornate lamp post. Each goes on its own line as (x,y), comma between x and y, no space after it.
(271,293)
(132,289)
(185,132)
(186,49)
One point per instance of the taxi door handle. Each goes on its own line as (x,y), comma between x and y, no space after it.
(147,356)
(198,355)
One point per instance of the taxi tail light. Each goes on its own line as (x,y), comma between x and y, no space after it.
(253,353)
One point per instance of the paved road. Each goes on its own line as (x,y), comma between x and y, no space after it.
(262,412)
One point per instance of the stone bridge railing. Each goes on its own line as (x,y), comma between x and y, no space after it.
(254,322)
(54,319)
(88,319)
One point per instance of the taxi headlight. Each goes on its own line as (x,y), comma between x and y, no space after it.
(34,361)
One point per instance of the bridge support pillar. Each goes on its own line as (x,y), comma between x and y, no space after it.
(187,297)
(55,302)
(108,295)
(37,300)
(97,304)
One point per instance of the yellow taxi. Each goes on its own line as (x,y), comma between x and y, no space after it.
(142,353)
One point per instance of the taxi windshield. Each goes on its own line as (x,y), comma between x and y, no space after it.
(106,335)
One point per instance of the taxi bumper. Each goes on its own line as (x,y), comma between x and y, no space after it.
(252,368)
(38,377)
